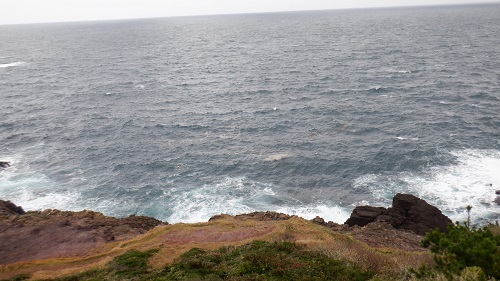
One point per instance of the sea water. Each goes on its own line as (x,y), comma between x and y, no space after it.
(307,113)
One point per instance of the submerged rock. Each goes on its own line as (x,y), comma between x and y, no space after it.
(4,164)
(497,200)
(408,212)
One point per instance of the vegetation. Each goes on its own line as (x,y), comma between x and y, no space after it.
(19,277)
(258,260)
(463,247)
(262,261)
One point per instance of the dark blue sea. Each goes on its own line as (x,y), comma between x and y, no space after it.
(307,113)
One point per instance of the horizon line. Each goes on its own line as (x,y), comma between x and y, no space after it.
(492,2)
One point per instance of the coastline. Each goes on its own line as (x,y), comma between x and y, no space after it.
(53,243)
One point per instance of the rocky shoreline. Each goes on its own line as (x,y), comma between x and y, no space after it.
(45,234)
(36,235)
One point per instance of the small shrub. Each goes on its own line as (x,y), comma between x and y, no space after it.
(132,263)
(463,247)
(262,261)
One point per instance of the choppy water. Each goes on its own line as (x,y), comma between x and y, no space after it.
(308,113)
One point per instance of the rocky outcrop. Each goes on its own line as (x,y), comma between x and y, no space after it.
(9,208)
(4,164)
(321,221)
(259,216)
(407,213)
(53,233)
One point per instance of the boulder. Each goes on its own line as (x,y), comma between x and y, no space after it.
(319,220)
(9,208)
(259,216)
(363,215)
(420,216)
(407,212)
(4,164)
(497,200)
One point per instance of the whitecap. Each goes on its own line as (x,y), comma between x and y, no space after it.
(229,196)
(5,65)
(336,214)
(277,157)
(34,191)
(392,70)
(450,188)
(406,138)
(240,195)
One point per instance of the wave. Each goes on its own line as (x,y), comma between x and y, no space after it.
(241,195)
(471,180)
(406,138)
(33,190)
(5,65)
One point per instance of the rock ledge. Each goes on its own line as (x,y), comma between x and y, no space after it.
(407,213)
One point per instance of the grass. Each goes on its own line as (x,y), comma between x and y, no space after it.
(211,239)
(261,260)
(258,260)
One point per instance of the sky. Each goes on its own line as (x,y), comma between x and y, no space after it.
(35,11)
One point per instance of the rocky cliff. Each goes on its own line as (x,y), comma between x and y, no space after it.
(53,243)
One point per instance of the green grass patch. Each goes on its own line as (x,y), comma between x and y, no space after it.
(19,277)
(255,261)
(262,261)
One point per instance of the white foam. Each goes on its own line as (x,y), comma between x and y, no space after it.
(450,188)
(277,157)
(240,195)
(392,70)
(406,138)
(5,65)
(328,213)
(32,190)
(230,196)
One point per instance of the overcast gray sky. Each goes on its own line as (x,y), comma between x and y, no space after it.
(30,11)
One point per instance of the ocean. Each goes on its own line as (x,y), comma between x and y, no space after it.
(307,113)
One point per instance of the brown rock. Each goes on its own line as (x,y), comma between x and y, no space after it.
(363,215)
(266,216)
(420,216)
(54,233)
(497,200)
(9,208)
(407,212)
(319,220)
(259,216)
(331,224)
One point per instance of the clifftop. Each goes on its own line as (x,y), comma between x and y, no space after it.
(53,243)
